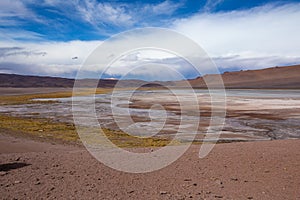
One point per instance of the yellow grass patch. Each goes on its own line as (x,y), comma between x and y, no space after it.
(28,98)
(45,128)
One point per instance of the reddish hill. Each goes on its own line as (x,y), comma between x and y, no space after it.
(275,77)
(21,81)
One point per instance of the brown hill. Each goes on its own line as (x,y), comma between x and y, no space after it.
(276,77)
(22,81)
(14,80)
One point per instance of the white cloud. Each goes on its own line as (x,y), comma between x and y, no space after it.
(13,8)
(211,5)
(150,64)
(98,13)
(163,8)
(45,58)
(11,12)
(260,37)
(257,38)
(55,58)
(116,15)
(17,34)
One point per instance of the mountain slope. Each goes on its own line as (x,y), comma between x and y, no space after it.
(275,77)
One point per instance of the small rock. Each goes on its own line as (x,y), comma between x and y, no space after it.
(234,179)
(219,182)
(131,191)
(195,184)
(17,159)
(16,182)
(219,196)
(249,197)
(72,172)
(37,183)
(187,179)
(163,192)
(3,173)
(52,188)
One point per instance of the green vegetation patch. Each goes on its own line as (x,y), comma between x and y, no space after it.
(42,128)
(66,132)
(49,129)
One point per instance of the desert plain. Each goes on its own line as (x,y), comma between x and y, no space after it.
(256,157)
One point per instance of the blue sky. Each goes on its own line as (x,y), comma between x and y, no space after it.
(42,36)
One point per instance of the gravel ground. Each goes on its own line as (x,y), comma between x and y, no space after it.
(251,170)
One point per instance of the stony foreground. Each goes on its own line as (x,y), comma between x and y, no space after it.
(251,170)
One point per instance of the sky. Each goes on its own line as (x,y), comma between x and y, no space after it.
(54,38)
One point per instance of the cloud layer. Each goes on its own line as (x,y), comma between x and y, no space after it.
(259,37)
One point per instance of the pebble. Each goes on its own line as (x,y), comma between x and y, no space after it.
(72,172)
(3,173)
(16,182)
(234,179)
(37,183)
(163,192)
(218,196)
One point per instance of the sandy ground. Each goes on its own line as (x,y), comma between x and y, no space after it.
(252,170)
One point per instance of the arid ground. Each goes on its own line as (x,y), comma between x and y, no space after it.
(43,159)
(251,170)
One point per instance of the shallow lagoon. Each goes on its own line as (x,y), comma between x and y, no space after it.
(251,114)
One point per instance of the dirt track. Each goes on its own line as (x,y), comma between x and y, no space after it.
(252,170)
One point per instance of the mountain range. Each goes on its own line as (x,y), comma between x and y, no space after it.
(286,77)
